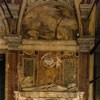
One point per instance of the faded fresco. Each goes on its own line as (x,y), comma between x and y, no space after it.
(49,20)
(48,71)
(2,28)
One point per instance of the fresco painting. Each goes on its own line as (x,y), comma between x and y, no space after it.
(49,71)
(2,28)
(50,21)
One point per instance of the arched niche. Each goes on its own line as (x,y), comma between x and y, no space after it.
(48,20)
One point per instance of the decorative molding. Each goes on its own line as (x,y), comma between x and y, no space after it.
(49,45)
(48,95)
(85,44)
(16,42)
(13,41)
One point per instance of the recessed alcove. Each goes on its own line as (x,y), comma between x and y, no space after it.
(45,60)
(52,68)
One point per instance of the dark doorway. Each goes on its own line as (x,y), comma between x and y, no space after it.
(2,76)
(97,54)
(97,71)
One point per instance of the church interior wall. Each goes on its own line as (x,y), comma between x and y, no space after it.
(47,51)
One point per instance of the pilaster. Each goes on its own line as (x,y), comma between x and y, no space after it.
(85,44)
(13,41)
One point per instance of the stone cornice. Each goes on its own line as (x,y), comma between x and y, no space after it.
(17,43)
(50,45)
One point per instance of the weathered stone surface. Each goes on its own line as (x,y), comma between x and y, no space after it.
(13,41)
(57,45)
(49,95)
(85,44)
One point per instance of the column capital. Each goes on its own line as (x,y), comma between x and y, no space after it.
(13,41)
(85,44)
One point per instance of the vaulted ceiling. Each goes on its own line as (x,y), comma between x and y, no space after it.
(26,17)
